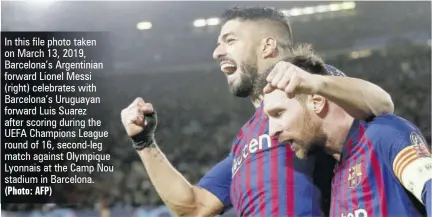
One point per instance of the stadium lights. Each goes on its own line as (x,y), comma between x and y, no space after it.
(319,9)
(360,54)
(308,10)
(322,8)
(200,23)
(348,5)
(144,25)
(295,12)
(290,13)
(335,7)
(214,21)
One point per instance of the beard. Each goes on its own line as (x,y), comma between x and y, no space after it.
(248,77)
(308,149)
(311,138)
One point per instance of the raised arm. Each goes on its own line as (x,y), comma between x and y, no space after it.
(359,98)
(181,197)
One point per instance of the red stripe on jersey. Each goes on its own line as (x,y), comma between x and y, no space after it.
(334,191)
(238,190)
(289,182)
(366,185)
(233,196)
(378,178)
(249,193)
(260,175)
(274,162)
(250,199)
(356,149)
(348,147)
(342,193)
(345,171)
(366,188)
(237,184)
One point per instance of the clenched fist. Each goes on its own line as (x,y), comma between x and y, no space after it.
(293,80)
(140,121)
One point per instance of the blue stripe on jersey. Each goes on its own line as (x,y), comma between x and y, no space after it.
(266,179)
(283,154)
(306,195)
(242,197)
(237,181)
(259,164)
(254,176)
(249,169)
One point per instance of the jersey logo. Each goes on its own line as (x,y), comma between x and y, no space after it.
(254,146)
(356,213)
(419,145)
(355,175)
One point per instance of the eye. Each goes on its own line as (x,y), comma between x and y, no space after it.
(278,114)
(230,40)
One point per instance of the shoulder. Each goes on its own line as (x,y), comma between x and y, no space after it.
(391,133)
(257,124)
(389,126)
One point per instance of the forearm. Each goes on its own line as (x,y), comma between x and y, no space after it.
(359,98)
(172,187)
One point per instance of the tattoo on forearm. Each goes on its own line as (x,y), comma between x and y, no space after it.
(156,153)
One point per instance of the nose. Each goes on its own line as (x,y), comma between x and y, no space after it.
(219,52)
(274,128)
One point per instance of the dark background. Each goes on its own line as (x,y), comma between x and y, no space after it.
(170,65)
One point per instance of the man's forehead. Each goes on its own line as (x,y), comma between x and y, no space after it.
(235,26)
(274,99)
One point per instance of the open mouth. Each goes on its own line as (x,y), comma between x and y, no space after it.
(228,67)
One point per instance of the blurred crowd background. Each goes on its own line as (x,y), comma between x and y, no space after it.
(169,64)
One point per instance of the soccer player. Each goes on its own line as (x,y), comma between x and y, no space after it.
(259,177)
(383,162)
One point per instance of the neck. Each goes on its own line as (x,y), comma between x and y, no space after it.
(336,128)
(263,69)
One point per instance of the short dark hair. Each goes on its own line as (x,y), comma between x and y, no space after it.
(304,57)
(258,13)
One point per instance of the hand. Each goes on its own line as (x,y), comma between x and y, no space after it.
(292,80)
(140,121)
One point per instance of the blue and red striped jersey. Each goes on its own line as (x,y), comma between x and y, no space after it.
(384,168)
(262,177)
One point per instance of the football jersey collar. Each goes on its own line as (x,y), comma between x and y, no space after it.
(350,138)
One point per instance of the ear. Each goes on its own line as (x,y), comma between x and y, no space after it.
(317,104)
(268,47)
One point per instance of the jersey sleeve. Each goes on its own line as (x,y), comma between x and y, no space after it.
(406,152)
(218,181)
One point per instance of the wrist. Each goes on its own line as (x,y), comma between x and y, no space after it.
(142,141)
(320,83)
